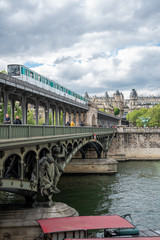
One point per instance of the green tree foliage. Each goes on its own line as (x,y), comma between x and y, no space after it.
(30,119)
(102,110)
(3,71)
(116,111)
(153,113)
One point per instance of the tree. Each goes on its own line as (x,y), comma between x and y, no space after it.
(102,110)
(30,119)
(3,71)
(153,113)
(116,111)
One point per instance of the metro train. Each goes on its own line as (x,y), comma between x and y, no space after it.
(25,74)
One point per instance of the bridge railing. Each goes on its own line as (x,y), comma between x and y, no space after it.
(26,131)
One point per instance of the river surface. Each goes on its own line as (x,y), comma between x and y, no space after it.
(134,190)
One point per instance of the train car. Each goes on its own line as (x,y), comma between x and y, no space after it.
(25,74)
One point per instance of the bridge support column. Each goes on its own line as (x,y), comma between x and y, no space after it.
(84,118)
(24,109)
(52,116)
(22,169)
(5,102)
(79,118)
(47,114)
(69,117)
(75,115)
(64,118)
(12,110)
(57,116)
(36,110)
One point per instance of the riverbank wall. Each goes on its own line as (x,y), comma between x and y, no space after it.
(135,144)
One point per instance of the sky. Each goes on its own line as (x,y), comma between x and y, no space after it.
(85,45)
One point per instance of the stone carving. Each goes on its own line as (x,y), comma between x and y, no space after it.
(144,120)
(50,170)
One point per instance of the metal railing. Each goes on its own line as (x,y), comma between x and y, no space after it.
(26,131)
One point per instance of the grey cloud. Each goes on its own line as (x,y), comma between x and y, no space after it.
(37,28)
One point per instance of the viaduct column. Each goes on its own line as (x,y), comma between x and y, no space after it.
(12,110)
(57,115)
(37,108)
(5,102)
(52,115)
(64,118)
(47,114)
(24,109)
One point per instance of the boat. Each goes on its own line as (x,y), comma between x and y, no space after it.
(80,227)
(113,226)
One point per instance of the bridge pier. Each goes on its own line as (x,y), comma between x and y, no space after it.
(91,166)
(25,226)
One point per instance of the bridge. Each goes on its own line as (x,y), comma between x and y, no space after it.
(28,152)
(12,89)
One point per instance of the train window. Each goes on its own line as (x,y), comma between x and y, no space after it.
(46,81)
(13,70)
(31,75)
(39,78)
(51,84)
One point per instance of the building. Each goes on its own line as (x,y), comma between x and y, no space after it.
(107,103)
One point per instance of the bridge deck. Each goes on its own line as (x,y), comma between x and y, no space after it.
(21,142)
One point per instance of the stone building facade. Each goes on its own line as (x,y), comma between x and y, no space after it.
(108,103)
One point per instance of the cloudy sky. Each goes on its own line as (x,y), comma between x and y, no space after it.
(86,45)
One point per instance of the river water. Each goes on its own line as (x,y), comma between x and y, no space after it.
(134,190)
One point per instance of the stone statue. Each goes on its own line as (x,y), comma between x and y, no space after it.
(144,120)
(49,174)
(50,170)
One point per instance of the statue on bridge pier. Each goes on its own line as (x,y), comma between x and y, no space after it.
(144,120)
(50,171)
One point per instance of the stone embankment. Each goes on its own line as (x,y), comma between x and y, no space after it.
(136,144)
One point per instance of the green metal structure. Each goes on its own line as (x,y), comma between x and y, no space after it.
(28,153)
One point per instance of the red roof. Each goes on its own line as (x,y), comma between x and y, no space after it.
(65,224)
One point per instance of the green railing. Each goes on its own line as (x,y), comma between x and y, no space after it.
(26,131)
